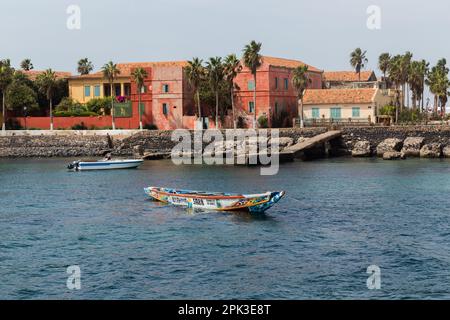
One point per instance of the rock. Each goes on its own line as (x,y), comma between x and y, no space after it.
(138,151)
(431,150)
(412,146)
(361,149)
(446,151)
(302,139)
(389,145)
(284,142)
(393,155)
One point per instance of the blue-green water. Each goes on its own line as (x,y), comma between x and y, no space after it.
(338,217)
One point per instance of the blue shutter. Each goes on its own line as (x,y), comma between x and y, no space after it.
(316,113)
(87,91)
(97,91)
(355,112)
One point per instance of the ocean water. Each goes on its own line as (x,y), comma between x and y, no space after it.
(339,216)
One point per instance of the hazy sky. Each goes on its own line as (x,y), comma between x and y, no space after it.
(321,33)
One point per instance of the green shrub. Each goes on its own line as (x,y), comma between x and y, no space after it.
(263,122)
(77,113)
(150,126)
(408,115)
(387,111)
(80,126)
(99,105)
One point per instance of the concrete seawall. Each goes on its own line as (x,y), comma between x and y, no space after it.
(123,143)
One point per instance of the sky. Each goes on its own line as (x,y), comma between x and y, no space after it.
(320,33)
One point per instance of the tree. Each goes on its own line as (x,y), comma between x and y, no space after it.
(358,60)
(20,96)
(47,84)
(139,75)
(405,64)
(6,73)
(110,72)
(85,66)
(215,73)
(26,65)
(383,63)
(195,73)
(232,68)
(439,84)
(395,76)
(416,80)
(253,60)
(300,81)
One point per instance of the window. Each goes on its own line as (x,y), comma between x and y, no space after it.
(276,82)
(315,113)
(335,113)
(87,91)
(165,109)
(251,106)
(127,89)
(355,112)
(286,83)
(165,88)
(276,107)
(97,91)
(251,85)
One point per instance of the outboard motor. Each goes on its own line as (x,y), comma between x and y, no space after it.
(73,166)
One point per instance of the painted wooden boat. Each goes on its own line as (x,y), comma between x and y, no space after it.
(255,203)
(105,164)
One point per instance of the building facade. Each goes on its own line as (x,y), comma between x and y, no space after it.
(346,105)
(276,98)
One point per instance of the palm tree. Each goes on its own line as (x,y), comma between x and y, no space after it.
(395,76)
(215,72)
(47,85)
(405,68)
(139,75)
(85,66)
(253,60)
(439,84)
(300,81)
(110,72)
(195,73)
(383,63)
(6,74)
(26,65)
(416,80)
(358,60)
(232,68)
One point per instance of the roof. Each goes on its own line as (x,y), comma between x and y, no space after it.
(33,74)
(339,96)
(125,68)
(288,63)
(347,76)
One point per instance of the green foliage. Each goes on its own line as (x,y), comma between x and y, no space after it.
(263,122)
(151,126)
(19,95)
(80,126)
(208,97)
(12,124)
(75,113)
(409,115)
(387,111)
(99,105)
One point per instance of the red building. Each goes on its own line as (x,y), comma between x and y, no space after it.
(275,96)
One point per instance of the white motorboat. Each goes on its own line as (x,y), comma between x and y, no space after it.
(105,164)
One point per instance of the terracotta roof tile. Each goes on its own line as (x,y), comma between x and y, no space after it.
(347,76)
(338,96)
(32,74)
(288,63)
(126,68)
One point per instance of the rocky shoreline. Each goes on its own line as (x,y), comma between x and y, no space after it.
(386,142)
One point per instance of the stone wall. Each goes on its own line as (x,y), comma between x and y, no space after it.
(77,145)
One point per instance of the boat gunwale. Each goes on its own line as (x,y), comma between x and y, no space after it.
(196,195)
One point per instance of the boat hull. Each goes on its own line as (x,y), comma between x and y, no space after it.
(105,165)
(255,203)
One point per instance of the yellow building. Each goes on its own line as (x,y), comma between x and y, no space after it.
(361,104)
(86,87)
